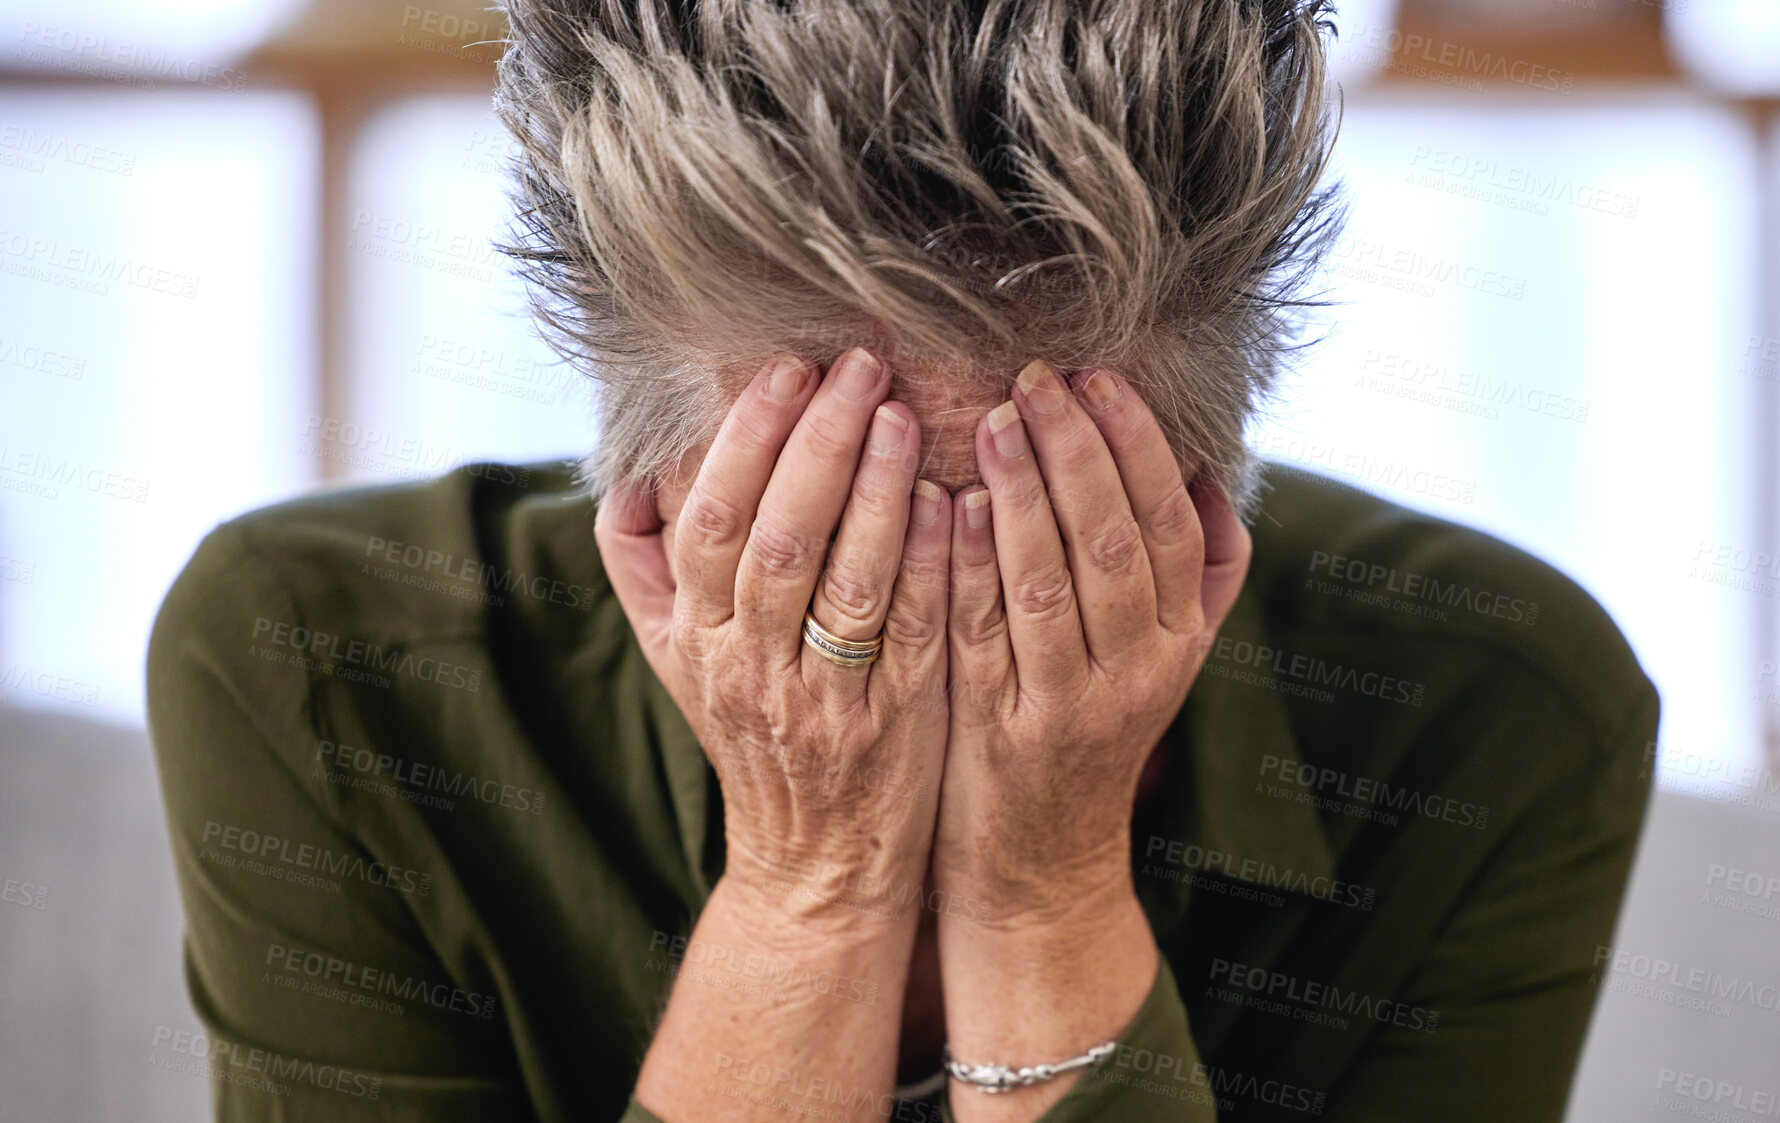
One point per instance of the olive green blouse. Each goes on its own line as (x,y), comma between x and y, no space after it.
(440,831)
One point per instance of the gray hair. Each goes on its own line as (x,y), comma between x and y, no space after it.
(962,185)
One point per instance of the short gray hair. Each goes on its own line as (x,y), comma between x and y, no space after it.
(962,185)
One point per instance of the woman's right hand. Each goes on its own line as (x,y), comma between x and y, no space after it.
(830,774)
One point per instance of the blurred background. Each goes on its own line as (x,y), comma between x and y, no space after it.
(245,253)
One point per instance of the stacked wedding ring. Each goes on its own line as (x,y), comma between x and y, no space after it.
(833,648)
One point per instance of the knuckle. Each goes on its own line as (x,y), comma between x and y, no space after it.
(755,428)
(1128,423)
(979,629)
(689,638)
(780,552)
(1073,442)
(1116,546)
(875,494)
(878,484)
(905,624)
(921,575)
(1044,596)
(1175,521)
(1200,632)
(827,439)
(1025,492)
(1063,694)
(856,596)
(710,521)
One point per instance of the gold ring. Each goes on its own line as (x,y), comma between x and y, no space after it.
(841,652)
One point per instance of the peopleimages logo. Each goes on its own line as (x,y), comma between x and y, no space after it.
(1315,1002)
(45,474)
(1332,789)
(104,56)
(326,650)
(1670,981)
(1525,188)
(1193,859)
(1723,1093)
(23,894)
(1361,576)
(419,782)
(342,980)
(289,859)
(467,573)
(232,1062)
(1317,672)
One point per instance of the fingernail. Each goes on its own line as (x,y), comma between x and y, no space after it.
(1044,391)
(1100,390)
(928,497)
(976,509)
(1010,435)
(887,431)
(858,374)
(786,378)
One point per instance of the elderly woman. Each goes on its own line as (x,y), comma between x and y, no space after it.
(895,718)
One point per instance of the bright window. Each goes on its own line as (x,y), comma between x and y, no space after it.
(446,366)
(157,276)
(1545,309)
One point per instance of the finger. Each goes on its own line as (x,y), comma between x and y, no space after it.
(628,532)
(1037,590)
(979,657)
(627,529)
(912,666)
(1165,514)
(713,527)
(1114,589)
(853,596)
(802,505)
(1228,548)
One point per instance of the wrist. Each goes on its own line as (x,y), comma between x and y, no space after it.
(1030,993)
(1072,926)
(1018,896)
(794,888)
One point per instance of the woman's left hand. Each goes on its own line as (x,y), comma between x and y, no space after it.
(1088,582)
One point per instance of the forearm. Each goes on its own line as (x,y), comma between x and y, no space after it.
(779,1008)
(1041,988)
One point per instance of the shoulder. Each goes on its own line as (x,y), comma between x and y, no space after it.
(377,585)
(1445,602)
(407,562)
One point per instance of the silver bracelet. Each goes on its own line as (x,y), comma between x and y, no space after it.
(993,1079)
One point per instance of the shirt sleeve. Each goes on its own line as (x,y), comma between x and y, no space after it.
(1515,972)
(317,990)
(1154,1075)
(1513,977)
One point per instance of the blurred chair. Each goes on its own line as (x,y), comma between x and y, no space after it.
(89,978)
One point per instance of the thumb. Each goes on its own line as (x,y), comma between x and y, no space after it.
(628,530)
(1228,549)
